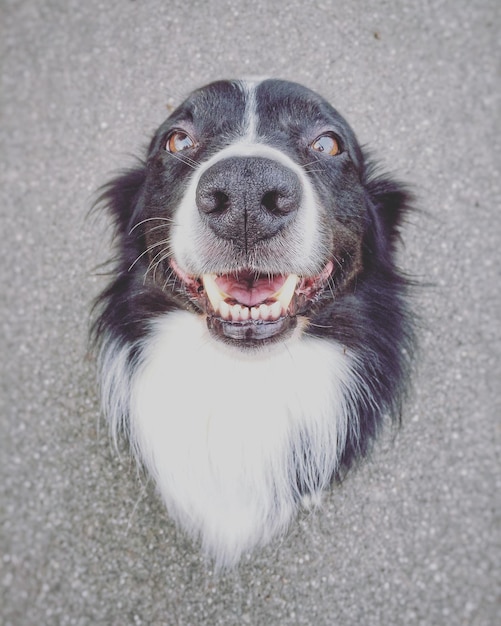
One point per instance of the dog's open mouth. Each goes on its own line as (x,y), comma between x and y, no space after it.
(249,308)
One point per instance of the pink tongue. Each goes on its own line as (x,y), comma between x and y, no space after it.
(247,290)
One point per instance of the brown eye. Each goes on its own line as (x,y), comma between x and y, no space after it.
(179,141)
(326,143)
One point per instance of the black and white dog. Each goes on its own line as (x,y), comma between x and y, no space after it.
(256,330)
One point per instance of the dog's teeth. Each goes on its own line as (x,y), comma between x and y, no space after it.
(239,312)
(212,290)
(276,310)
(264,311)
(244,313)
(254,312)
(224,310)
(235,312)
(284,296)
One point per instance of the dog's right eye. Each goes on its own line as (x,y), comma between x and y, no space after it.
(327,143)
(179,141)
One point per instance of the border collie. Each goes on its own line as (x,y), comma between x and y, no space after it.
(256,330)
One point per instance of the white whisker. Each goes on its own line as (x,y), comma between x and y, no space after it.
(314,162)
(184,159)
(170,275)
(149,249)
(149,219)
(161,256)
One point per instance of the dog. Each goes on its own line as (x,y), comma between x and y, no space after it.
(256,331)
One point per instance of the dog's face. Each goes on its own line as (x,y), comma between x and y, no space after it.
(253,209)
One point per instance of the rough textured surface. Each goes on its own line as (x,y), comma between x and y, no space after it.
(411,537)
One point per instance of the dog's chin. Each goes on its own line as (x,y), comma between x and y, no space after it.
(251,334)
(250,309)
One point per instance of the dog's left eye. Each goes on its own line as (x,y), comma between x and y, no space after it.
(178,141)
(326,143)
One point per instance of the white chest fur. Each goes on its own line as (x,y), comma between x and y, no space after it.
(227,434)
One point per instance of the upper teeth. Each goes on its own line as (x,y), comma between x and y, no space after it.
(239,312)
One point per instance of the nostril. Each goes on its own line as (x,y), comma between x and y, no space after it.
(269,201)
(212,201)
(221,201)
(278,202)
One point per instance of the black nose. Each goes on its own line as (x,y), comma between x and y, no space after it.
(248,199)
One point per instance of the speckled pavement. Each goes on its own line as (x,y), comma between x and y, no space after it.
(410,537)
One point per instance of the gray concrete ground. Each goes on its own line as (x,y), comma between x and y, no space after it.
(411,537)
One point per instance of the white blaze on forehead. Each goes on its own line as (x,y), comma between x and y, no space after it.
(189,232)
(249,89)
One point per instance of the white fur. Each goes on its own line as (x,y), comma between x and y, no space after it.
(217,428)
(249,89)
(115,373)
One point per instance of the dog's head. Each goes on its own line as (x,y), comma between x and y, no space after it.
(255,208)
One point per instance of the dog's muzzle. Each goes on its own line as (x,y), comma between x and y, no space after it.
(248,199)
(249,202)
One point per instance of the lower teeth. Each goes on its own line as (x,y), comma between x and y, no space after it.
(239,313)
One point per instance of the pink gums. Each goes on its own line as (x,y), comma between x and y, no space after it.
(248,290)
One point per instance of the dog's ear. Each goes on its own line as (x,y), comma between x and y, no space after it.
(391,201)
(122,196)
(388,203)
